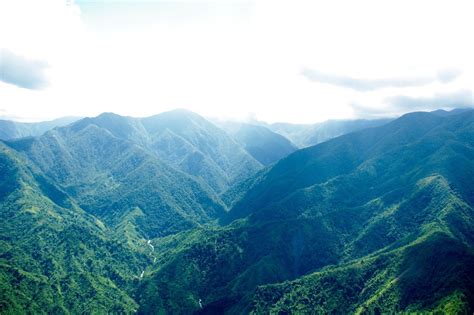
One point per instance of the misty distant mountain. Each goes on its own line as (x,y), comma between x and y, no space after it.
(305,135)
(442,112)
(263,144)
(198,147)
(187,142)
(13,130)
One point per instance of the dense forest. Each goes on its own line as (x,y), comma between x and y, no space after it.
(175,214)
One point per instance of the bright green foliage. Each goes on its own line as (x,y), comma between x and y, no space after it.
(95,219)
(369,212)
(54,258)
(110,177)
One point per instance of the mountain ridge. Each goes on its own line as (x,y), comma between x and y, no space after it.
(378,220)
(327,219)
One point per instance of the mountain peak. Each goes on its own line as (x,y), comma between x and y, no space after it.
(442,112)
(179,114)
(108,115)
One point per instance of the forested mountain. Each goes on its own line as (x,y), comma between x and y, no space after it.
(115,214)
(263,144)
(187,142)
(100,164)
(310,134)
(54,257)
(198,147)
(13,130)
(380,220)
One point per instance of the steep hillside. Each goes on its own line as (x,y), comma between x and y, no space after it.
(111,177)
(198,147)
(263,144)
(431,275)
(99,219)
(54,257)
(187,142)
(381,159)
(364,215)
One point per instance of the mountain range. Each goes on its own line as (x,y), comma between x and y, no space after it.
(13,130)
(264,145)
(173,214)
(305,135)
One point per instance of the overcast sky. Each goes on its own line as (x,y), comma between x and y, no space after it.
(295,61)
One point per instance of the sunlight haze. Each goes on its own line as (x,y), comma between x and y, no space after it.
(298,61)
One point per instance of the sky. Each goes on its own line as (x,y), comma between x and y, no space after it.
(293,61)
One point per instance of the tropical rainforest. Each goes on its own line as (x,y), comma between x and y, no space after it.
(176,214)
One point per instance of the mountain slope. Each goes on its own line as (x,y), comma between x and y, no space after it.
(185,141)
(109,177)
(263,144)
(365,213)
(180,138)
(10,130)
(198,147)
(413,146)
(433,275)
(380,220)
(54,257)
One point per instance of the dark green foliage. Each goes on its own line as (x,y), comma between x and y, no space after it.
(377,221)
(80,202)
(222,265)
(369,212)
(371,163)
(434,274)
(55,259)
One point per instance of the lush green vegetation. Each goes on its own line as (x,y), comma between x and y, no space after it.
(54,258)
(96,220)
(196,146)
(389,194)
(110,177)
(185,141)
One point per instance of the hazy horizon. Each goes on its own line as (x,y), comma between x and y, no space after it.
(249,119)
(298,62)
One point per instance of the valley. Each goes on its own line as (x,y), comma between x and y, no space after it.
(176,214)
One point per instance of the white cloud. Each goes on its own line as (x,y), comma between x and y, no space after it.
(22,72)
(361,84)
(238,58)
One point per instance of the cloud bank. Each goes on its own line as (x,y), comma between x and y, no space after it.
(227,60)
(22,72)
(364,85)
(458,99)
(399,104)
